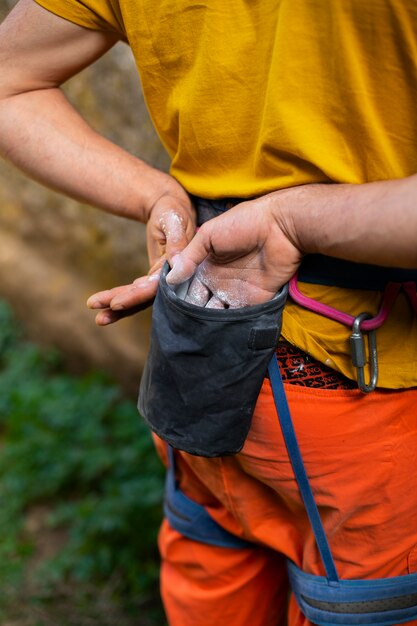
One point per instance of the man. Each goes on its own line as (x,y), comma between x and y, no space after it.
(306,111)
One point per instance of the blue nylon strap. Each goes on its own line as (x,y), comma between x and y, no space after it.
(385,601)
(299,469)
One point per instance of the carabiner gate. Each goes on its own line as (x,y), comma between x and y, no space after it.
(358,353)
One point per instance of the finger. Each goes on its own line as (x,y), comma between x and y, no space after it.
(215,303)
(198,293)
(102,299)
(141,292)
(169,234)
(174,227)
(185,264)
(107,316)
(155,243)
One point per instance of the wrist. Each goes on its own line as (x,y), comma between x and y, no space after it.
(165,190)
(308,215)
(287,208)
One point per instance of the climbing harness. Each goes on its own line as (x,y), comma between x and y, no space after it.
(325,600)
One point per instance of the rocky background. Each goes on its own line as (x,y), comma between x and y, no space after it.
(55,252)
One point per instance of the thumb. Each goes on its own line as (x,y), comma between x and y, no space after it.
(178,231)
(185,263)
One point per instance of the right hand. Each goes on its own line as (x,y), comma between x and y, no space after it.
(170,227)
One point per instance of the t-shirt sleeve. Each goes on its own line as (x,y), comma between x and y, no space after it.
(104,15)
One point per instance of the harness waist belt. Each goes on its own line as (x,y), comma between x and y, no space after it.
(323,270)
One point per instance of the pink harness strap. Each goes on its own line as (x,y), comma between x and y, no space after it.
(410,289)
(362,322)
(389,296)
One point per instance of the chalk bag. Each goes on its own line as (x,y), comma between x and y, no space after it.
(205,369)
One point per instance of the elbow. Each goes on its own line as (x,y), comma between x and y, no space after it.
(10,85)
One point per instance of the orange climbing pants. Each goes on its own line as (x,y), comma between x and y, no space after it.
(360,454)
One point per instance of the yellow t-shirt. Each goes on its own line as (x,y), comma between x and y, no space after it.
(250,97)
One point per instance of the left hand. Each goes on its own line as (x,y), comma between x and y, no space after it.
(240,258)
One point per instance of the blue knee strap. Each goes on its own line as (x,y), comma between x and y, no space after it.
(191,519)
(324,600)
(381,601)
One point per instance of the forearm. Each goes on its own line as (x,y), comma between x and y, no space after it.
(370,223)
(44,136)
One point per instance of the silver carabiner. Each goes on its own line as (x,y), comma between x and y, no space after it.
(358,353)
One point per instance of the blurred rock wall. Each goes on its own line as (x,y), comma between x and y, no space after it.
(55,252)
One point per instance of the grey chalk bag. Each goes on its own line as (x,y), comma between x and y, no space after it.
(205,369)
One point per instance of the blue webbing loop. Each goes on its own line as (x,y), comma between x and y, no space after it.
(299,469)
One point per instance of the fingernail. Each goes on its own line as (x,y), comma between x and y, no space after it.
(215,303)
(176,271)
(173,261)
(104,319)
(94,304)
(171,278)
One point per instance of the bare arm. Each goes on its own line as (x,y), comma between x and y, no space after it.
(248,253)
(372,223)
(42,134)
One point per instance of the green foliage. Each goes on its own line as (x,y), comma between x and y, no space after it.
(76,447)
